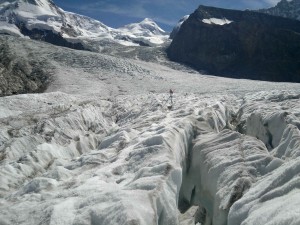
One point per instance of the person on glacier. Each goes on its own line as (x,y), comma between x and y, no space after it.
(170,105)
(171,96)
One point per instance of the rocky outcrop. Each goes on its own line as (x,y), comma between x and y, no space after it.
(285,8)
(177,27)
(20,73)
(50,37)
(240,44)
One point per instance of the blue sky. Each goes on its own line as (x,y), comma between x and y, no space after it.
(166,13)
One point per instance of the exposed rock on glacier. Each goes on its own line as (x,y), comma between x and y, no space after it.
(21,73)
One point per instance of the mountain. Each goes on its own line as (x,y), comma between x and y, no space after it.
(241,44)
(43,20)
(101,144)
(289,9)
(101,147)
(178,25)
(147,32)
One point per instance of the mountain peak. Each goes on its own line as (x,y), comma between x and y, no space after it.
(147,20)
(285,8)
(147,26)
(36,18)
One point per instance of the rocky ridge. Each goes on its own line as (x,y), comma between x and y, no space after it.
(285,8)
(240,44)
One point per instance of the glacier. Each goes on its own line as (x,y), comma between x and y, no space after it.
(103,157)
(100,146)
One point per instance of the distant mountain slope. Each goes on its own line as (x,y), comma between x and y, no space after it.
(285,8)
(43,20)
(178,25)
(242,44)
(146,32)
(20,71)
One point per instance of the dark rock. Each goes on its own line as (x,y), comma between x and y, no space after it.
(253,45)
(20,73)
(177,27)
(50,37)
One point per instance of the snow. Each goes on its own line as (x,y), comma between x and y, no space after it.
(180,22)
(101,147)
(216,21)
(44,15)
(11,29)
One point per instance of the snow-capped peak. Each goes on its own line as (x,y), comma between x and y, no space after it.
(146,26)
(31,8)
(29,16)
(146,32)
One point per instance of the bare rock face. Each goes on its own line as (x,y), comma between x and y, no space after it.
(20,73)
(241,44)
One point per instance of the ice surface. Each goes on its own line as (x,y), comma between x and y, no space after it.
(101,147)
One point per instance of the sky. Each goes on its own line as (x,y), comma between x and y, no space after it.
(166,13)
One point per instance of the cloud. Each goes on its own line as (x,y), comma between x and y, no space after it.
(258,4)
(272,2)
(134,9)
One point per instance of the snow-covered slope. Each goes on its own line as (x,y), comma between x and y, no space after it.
(147,32)
(289,9)
(101,146)
(28,17)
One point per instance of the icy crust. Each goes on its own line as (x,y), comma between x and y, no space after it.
(276,117)
(266,116)
(272,200)
(223,167)
(128,160)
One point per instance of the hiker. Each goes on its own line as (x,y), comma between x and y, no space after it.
(171,96)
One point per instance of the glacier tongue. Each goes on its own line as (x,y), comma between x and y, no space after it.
(79,162)
(72,157)
(229,156)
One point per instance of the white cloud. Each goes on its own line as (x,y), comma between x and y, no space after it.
(136,10)
(272,2)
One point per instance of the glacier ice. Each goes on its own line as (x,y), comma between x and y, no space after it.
(100,147)
(81,162)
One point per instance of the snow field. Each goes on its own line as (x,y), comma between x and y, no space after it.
(216,21)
